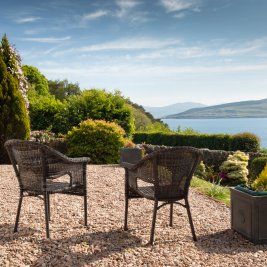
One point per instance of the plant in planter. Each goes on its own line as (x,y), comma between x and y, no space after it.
(248,209)
(260,184)
(131,153)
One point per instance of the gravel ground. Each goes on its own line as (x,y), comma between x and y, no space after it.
(104,243)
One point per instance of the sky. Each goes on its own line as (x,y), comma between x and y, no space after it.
(156,52)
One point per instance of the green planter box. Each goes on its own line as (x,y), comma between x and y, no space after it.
(130,154)
(249,215)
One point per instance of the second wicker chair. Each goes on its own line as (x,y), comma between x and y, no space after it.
(167,174)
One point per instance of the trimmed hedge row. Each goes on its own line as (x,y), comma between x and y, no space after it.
(247,142)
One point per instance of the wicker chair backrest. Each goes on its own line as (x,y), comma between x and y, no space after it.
(170,170)
(33,163)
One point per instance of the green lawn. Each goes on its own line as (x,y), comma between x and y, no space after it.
(212,190)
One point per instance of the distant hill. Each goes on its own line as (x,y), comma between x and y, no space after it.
(243,109)
(160,112)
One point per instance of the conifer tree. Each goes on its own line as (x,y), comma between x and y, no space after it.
(14,120)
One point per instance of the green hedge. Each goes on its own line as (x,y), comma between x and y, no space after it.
(245,141)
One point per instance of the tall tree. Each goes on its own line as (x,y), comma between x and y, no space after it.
(14,120)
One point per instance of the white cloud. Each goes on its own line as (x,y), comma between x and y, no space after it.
(124,44)
(131,44)
(125,6)
(252,46)
(27,20)
(180,5)
(47,39)
(95,15)
(151,71)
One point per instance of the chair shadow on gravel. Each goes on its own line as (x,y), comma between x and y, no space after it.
(7,234)
(226,242)
(95,246)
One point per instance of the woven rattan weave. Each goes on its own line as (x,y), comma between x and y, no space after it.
(162,176)
(39,169)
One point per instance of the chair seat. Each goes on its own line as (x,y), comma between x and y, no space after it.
(147,192)
(166,194)
(57,187)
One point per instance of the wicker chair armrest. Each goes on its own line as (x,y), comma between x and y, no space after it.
(127,165)
(66,159)
(77,160)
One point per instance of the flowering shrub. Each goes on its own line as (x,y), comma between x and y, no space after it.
(42,136)
(14,120)
(12,60)
(234,169)
(260,184)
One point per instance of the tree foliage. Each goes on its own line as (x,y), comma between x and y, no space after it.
(38,82)
(14,121)
(98,105)
(45,113)
(145,122)
(63,89)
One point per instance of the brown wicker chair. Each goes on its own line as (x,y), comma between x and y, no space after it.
(39,169)
(168,174)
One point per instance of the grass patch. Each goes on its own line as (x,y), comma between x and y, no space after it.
(213,190)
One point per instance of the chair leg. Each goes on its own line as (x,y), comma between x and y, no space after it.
(18,212)
(171,214)
(190,220)
(126,213)
(85,209)
(46,196)
(153,222)
(48,204)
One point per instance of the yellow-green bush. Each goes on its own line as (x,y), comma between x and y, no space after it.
(235,168)
(260,184)
(257,165)
(97,139)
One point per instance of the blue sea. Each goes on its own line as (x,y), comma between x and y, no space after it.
(257,126)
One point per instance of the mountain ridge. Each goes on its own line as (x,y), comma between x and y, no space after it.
(160,112)
(241,109)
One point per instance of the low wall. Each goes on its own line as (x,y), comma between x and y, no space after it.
(212,158)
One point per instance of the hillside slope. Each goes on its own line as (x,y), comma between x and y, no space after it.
(144,121)
(243,109)
(160,112)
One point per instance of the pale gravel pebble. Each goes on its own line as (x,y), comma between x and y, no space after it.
(104,243)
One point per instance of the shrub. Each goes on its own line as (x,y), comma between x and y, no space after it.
(200,170)
(257,166)
(45,113)
(97,139)
(247,142)
(43,136)
(260,184)
(99,105)
(14,121)
(235,168)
